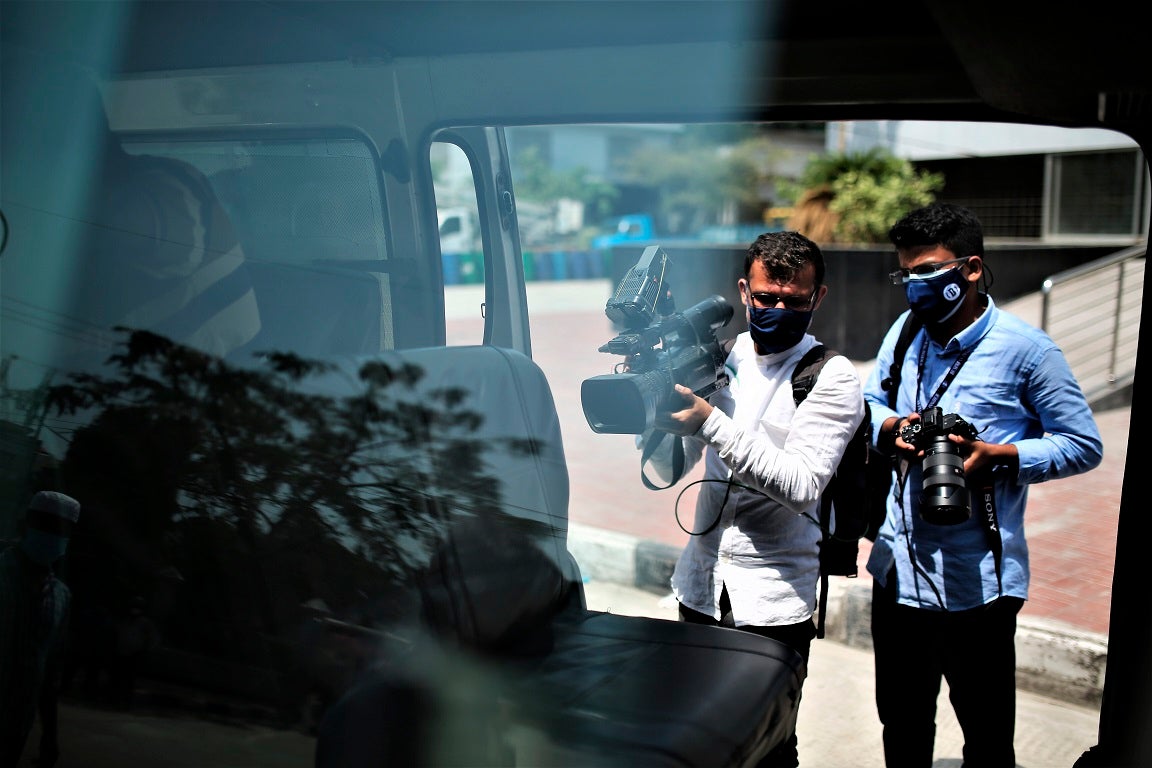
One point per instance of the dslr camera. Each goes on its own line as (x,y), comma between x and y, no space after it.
(662,348)
(944,495)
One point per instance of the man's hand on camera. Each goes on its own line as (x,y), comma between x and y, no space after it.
(894,427)
(979,454)
(689,418)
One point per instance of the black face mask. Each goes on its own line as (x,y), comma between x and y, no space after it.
(775,330)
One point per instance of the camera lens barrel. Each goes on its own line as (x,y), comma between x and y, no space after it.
(624,403)
(944,496)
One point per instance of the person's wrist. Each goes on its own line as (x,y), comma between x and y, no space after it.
(887,441)
(708,426)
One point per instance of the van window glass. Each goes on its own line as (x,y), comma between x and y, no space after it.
(308,215)
(461,244)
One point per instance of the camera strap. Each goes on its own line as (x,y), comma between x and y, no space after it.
(986,508)
(986,497)
(940,390)
(650,446)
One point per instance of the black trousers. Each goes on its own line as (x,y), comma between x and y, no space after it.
(796,636)
(973,650)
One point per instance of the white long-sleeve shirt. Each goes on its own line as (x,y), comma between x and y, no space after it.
(768,462)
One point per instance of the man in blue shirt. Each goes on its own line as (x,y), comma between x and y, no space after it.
(949,582)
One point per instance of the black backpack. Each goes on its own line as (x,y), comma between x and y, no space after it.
(860,486)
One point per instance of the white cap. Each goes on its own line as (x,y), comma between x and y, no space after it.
(58,504)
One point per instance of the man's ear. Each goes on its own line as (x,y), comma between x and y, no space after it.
(975,266)
(821,292)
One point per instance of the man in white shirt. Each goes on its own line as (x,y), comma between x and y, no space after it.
(752,561)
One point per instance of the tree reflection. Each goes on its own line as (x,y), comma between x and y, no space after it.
(254,489)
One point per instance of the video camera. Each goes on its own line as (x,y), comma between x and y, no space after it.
(662,347)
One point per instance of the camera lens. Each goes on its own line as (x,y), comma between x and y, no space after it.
(944,496)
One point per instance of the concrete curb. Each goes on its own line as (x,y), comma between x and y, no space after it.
(1052,659)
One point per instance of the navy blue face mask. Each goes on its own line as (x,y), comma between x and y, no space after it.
(43,547)
(935,299)
(775,330)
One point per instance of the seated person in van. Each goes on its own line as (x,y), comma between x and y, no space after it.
(173,264)
(145,239)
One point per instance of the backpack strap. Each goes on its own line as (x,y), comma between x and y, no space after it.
(804,377)
(891,383)
(808,369)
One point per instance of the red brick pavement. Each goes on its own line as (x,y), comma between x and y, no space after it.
(1071,524)
(1071,528)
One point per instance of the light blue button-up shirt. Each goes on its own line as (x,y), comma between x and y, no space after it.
(1016,387)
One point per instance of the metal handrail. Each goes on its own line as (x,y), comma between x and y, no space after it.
(1049,283)
(1112,260)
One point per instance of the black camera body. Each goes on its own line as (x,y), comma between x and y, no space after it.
(944,494)
(662,348)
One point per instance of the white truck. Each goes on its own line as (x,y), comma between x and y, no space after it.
(459,230)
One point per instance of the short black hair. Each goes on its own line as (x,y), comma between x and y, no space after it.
(951,226)
(784,254)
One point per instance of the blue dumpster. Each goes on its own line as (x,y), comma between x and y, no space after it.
(451,267)
(559,265)
(543,262)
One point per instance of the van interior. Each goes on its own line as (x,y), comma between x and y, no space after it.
(344,498)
